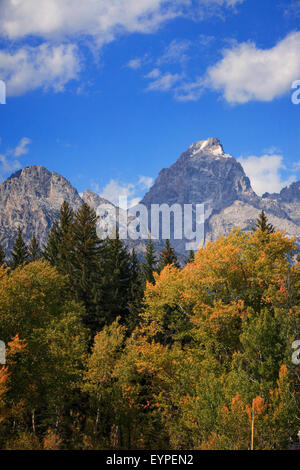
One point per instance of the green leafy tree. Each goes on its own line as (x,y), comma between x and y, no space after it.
(19,254)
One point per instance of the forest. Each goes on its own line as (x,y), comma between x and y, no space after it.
(106,352)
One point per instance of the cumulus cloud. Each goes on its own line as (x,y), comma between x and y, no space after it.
(265,173)
(47,66)
(135,64)
(22,148)
(175,52)
(9,160)
(115,190)
(102,19)
(56,23)
(248,73)
(164,82)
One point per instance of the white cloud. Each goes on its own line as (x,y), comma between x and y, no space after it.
(45,66)
(135,64)
(22,148)
(132,191)
(248,73)
(102,19)
(57,22)
(164,82)
(145,182)
(9,160)
(155,73)
(175,52)
(264,173)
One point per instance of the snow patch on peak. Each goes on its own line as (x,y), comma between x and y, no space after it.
(211,146)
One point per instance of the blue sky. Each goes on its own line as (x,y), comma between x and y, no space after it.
(109,93)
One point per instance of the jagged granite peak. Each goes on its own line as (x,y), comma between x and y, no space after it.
(208,147)
(31,198)
(202,174)
(288,194)
(206,174)
(94,200)
(288,200)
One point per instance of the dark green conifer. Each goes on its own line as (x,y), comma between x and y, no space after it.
(2,256)
(191,258)
(19,254)
(263,225)
(34,252)
(86,266)
(117,280)
(150,264)
(58,250)
(167,257)
(136,292)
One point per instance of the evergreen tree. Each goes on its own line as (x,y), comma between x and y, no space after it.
(167,257)
(34,251)
(191,257)
(2,256)
(117,280)
(136,292)
(19,254)
(263,225)
(86,266)
(58,250)
(150,263)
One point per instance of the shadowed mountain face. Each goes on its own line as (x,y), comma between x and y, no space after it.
(203,174)
(206,174)
(32,197)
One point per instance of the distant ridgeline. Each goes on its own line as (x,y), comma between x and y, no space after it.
(31,198)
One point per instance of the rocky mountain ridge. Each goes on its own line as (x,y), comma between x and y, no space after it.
(204,173)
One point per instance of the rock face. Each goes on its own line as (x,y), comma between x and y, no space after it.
(206,174)
(32,197)
(203,174)
(288,200)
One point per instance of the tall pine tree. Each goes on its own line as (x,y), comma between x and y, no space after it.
(191,257)
(263,224)
(34,252)
(19,254)
(86,267)
(117,280)
(136,292)
(150,264)
(58,250)
(167,257)
(2,256)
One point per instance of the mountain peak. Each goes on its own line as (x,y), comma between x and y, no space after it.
(209,147)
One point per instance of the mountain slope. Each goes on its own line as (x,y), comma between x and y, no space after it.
(31,198)
(206,174)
